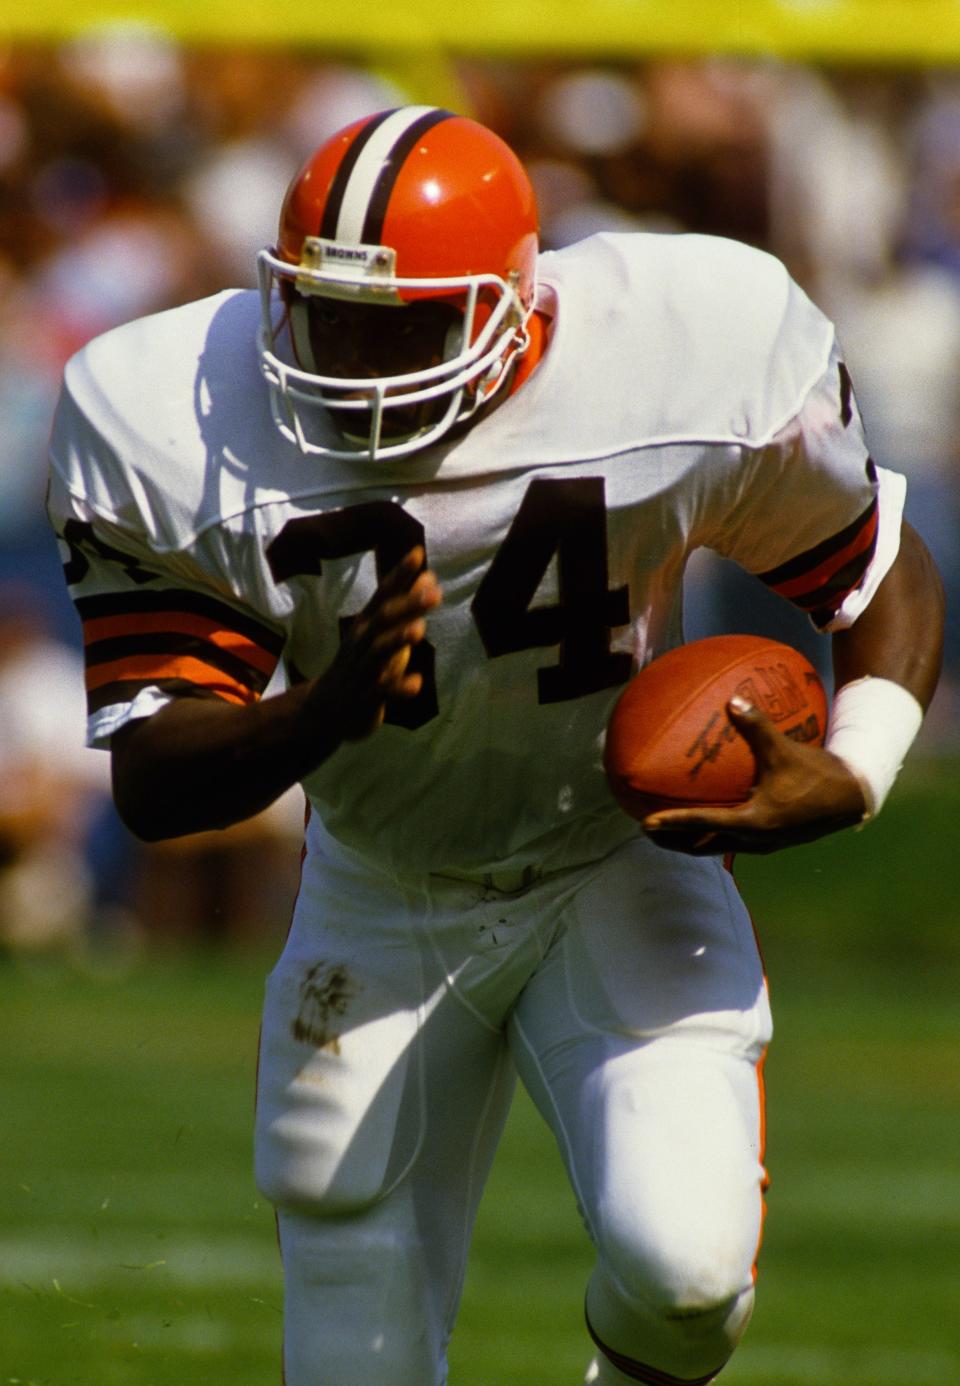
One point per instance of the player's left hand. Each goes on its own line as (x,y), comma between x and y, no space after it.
(802,792)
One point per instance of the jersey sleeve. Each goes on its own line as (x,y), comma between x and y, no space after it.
(161,608)
(810,513)
(149,638)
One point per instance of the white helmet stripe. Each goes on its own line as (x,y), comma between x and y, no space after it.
(366,172)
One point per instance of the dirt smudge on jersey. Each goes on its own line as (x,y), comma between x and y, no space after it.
(325,994)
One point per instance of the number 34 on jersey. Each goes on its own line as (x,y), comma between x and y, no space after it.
(560,518)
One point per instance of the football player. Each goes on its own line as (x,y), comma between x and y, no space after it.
(452,484)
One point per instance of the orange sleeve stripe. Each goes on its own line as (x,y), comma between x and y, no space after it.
(179,623)
(817,577)
(154,668)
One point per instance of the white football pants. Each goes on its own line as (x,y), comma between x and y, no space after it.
(630,998)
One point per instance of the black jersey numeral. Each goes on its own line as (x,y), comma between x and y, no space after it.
(566,518)
(846,395)
(557,517)
(384,529)
(80,536)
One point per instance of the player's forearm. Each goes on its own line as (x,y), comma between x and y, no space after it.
(203,763)
(900,635)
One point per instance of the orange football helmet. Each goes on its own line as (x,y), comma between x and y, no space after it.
(416,206)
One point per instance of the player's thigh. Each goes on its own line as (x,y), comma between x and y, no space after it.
(640,1040)
(656,942)
(339,1115)
(371,1059)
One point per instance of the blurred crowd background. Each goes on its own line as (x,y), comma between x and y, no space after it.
(136,174)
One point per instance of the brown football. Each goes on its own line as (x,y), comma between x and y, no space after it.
(670,742)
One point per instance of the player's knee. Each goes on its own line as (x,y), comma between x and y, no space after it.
(301,1167)
(680,1275)
(705,1317)
(696,1290)
(293,1174)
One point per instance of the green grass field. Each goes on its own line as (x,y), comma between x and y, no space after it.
(134,1250)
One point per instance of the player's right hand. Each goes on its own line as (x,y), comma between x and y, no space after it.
(802,792)
(371,664)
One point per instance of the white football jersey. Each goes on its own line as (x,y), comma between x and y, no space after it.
(690,395)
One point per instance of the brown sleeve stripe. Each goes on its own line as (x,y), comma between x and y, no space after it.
(124,692)
(813,560)
(815,566)
(170,645)
(106,634)
(818,580)
(831,592)
(140,671)
(142,603)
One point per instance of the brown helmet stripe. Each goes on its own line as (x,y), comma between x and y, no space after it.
(331,211)
(359,195)
(389,173)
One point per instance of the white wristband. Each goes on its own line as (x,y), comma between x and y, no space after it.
(873,723)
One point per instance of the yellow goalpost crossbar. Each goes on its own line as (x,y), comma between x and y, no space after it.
(849,31)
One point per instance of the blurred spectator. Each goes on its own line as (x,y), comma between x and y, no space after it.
(932,231)
(331,97)
(134,69)
(52,790)
(236,886)
(593,113)
(837,175)
(136,258)
(29,380)
(708,131)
